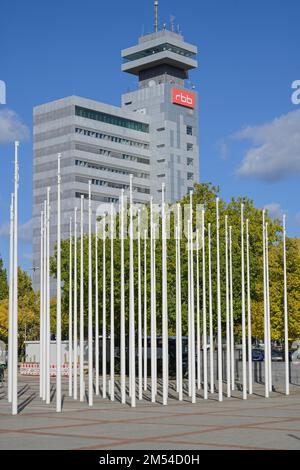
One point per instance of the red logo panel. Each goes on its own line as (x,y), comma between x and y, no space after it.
(183,98)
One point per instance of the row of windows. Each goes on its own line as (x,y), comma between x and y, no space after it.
(160,48)
(189,130)
(189,176)
(97,198)
(108,153)
(111,170)
(111,119)
(111,184)
(111,138)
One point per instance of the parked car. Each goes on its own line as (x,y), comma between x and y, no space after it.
(257,355)
(276,355)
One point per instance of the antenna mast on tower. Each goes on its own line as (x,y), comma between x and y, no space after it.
(156,16)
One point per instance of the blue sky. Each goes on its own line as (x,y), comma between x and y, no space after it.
(249,55)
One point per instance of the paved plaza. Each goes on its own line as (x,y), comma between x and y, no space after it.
(257,423)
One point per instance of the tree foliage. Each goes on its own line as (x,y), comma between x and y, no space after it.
(3,281)
(28,311)
(204,194)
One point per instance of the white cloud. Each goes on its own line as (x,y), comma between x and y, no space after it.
(275,210)
(222,149)
(275,151)
(24,231)
(11,127)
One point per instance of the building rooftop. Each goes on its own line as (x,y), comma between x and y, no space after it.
(161,47)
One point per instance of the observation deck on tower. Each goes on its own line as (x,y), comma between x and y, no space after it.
(160,52)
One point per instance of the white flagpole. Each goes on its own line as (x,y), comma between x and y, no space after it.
(153,305)
(112,307)
(145,313)
(211,327)
(249,312)
(70,315)
(155,322)
(41,306)
(178,306)
(140,352)
(45,325)
(265,312)
(189,315)
(15,291)
(204,309)
(90,302)
(11,291)
(104,312)
(220,372)
(165,358)
(286,326)
(198,314)
(96,313)
(131,304)
(193,365)
(81,319)
(268,310)
(75,341)
(244,358)
(48,332)
(122,322)
(193,374)
(231,310)
(228,382)
(58,291)
(177,309)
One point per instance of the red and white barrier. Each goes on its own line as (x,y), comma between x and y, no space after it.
(33,368)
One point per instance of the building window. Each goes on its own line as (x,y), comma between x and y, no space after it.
(160,146)
(157,49)
(111,138)
(189,130)
(189,147)
(160,129)
(110,119)
(119,171)
(162,160)
(161,176)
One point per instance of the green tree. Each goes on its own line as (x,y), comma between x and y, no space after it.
(204,194)
(28,312)
(3,281)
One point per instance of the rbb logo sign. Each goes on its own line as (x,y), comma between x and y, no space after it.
(183,98)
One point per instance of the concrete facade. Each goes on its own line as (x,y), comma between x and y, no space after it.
(161,61)
(149,136)
(102,152)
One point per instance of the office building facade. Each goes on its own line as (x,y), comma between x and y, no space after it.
(153,136)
